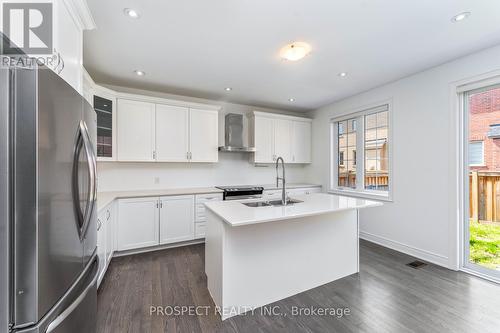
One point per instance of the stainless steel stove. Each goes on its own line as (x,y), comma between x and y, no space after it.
(241,192)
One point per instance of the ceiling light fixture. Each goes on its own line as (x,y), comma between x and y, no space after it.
(139,73)
(295,51)
(291,99)
(460,17)
(131,13)
(343,74)
(228,89)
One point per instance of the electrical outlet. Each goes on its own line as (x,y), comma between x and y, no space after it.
(157,180)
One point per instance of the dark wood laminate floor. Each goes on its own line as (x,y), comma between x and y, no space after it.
(386,296)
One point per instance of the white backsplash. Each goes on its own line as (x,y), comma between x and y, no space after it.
(232,169)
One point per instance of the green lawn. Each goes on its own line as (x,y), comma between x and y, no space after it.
(485,244)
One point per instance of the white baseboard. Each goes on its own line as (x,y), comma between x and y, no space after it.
(157,248)
(407,249)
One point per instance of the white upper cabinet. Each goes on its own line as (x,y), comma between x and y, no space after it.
(204,137)
(172,133)
(282,139)
(165,133)
(301,142)
(262,139)
(275,135)
(70,19)
(176,218)
(135,131)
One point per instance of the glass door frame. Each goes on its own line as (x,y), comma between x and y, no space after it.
(465,264)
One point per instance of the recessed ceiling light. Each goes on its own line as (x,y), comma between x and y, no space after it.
(295,51)
(460,17)
(131,13)
(291,99)
(139,73)
(343,74)
(228,89)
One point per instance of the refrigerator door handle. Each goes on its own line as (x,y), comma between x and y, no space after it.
(82,139)
(92,165)
(61,317)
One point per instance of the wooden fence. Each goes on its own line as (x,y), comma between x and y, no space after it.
(372,179)
(484,196)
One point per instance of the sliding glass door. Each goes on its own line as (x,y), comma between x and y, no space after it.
(481,108)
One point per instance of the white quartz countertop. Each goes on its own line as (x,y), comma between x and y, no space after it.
(289,186)
(235,213)
(105,198)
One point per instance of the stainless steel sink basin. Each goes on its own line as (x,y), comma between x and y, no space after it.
(288,202)
(270,203)
(257,204)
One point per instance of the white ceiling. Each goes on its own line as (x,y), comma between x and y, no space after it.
(199,47)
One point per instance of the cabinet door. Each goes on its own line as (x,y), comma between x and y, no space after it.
(264,140)
(68,42)
(135,130)
(137,223)
(283,139)
(172,128)
(105,108)
(204,135)
(110,232)
(176,218)
(101,246)
(301,143)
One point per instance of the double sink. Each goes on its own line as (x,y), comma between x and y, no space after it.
(271,203)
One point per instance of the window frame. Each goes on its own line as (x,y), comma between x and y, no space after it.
(359,115)
(482,164)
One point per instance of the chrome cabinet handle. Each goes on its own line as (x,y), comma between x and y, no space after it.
(99,224)
(108,215)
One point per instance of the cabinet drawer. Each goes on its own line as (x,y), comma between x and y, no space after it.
(202,198)
(199,230)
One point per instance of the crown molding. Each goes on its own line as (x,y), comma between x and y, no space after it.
(81,13)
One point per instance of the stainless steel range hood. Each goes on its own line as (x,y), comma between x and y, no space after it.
(234,134)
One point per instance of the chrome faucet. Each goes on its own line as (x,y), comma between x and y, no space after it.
(282,178)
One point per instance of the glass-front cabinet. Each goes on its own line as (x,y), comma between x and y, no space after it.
(104,107)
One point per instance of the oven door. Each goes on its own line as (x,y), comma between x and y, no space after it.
(244,197)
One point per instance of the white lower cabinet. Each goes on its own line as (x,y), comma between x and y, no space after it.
(137,223)
(110,231)
(101,247)
(200,216)
(145,222)
(105,239)
(176,218)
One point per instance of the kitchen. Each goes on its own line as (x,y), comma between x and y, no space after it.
(228,176)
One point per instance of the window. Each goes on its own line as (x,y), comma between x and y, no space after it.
(476,153)
(362,151)
(346,147)
(341,158)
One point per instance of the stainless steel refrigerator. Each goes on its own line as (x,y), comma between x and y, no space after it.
(48,261)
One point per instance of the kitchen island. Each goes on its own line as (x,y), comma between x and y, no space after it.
(258,255)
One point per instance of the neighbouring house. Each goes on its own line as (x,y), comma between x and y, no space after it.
(484,155)
(484,138)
